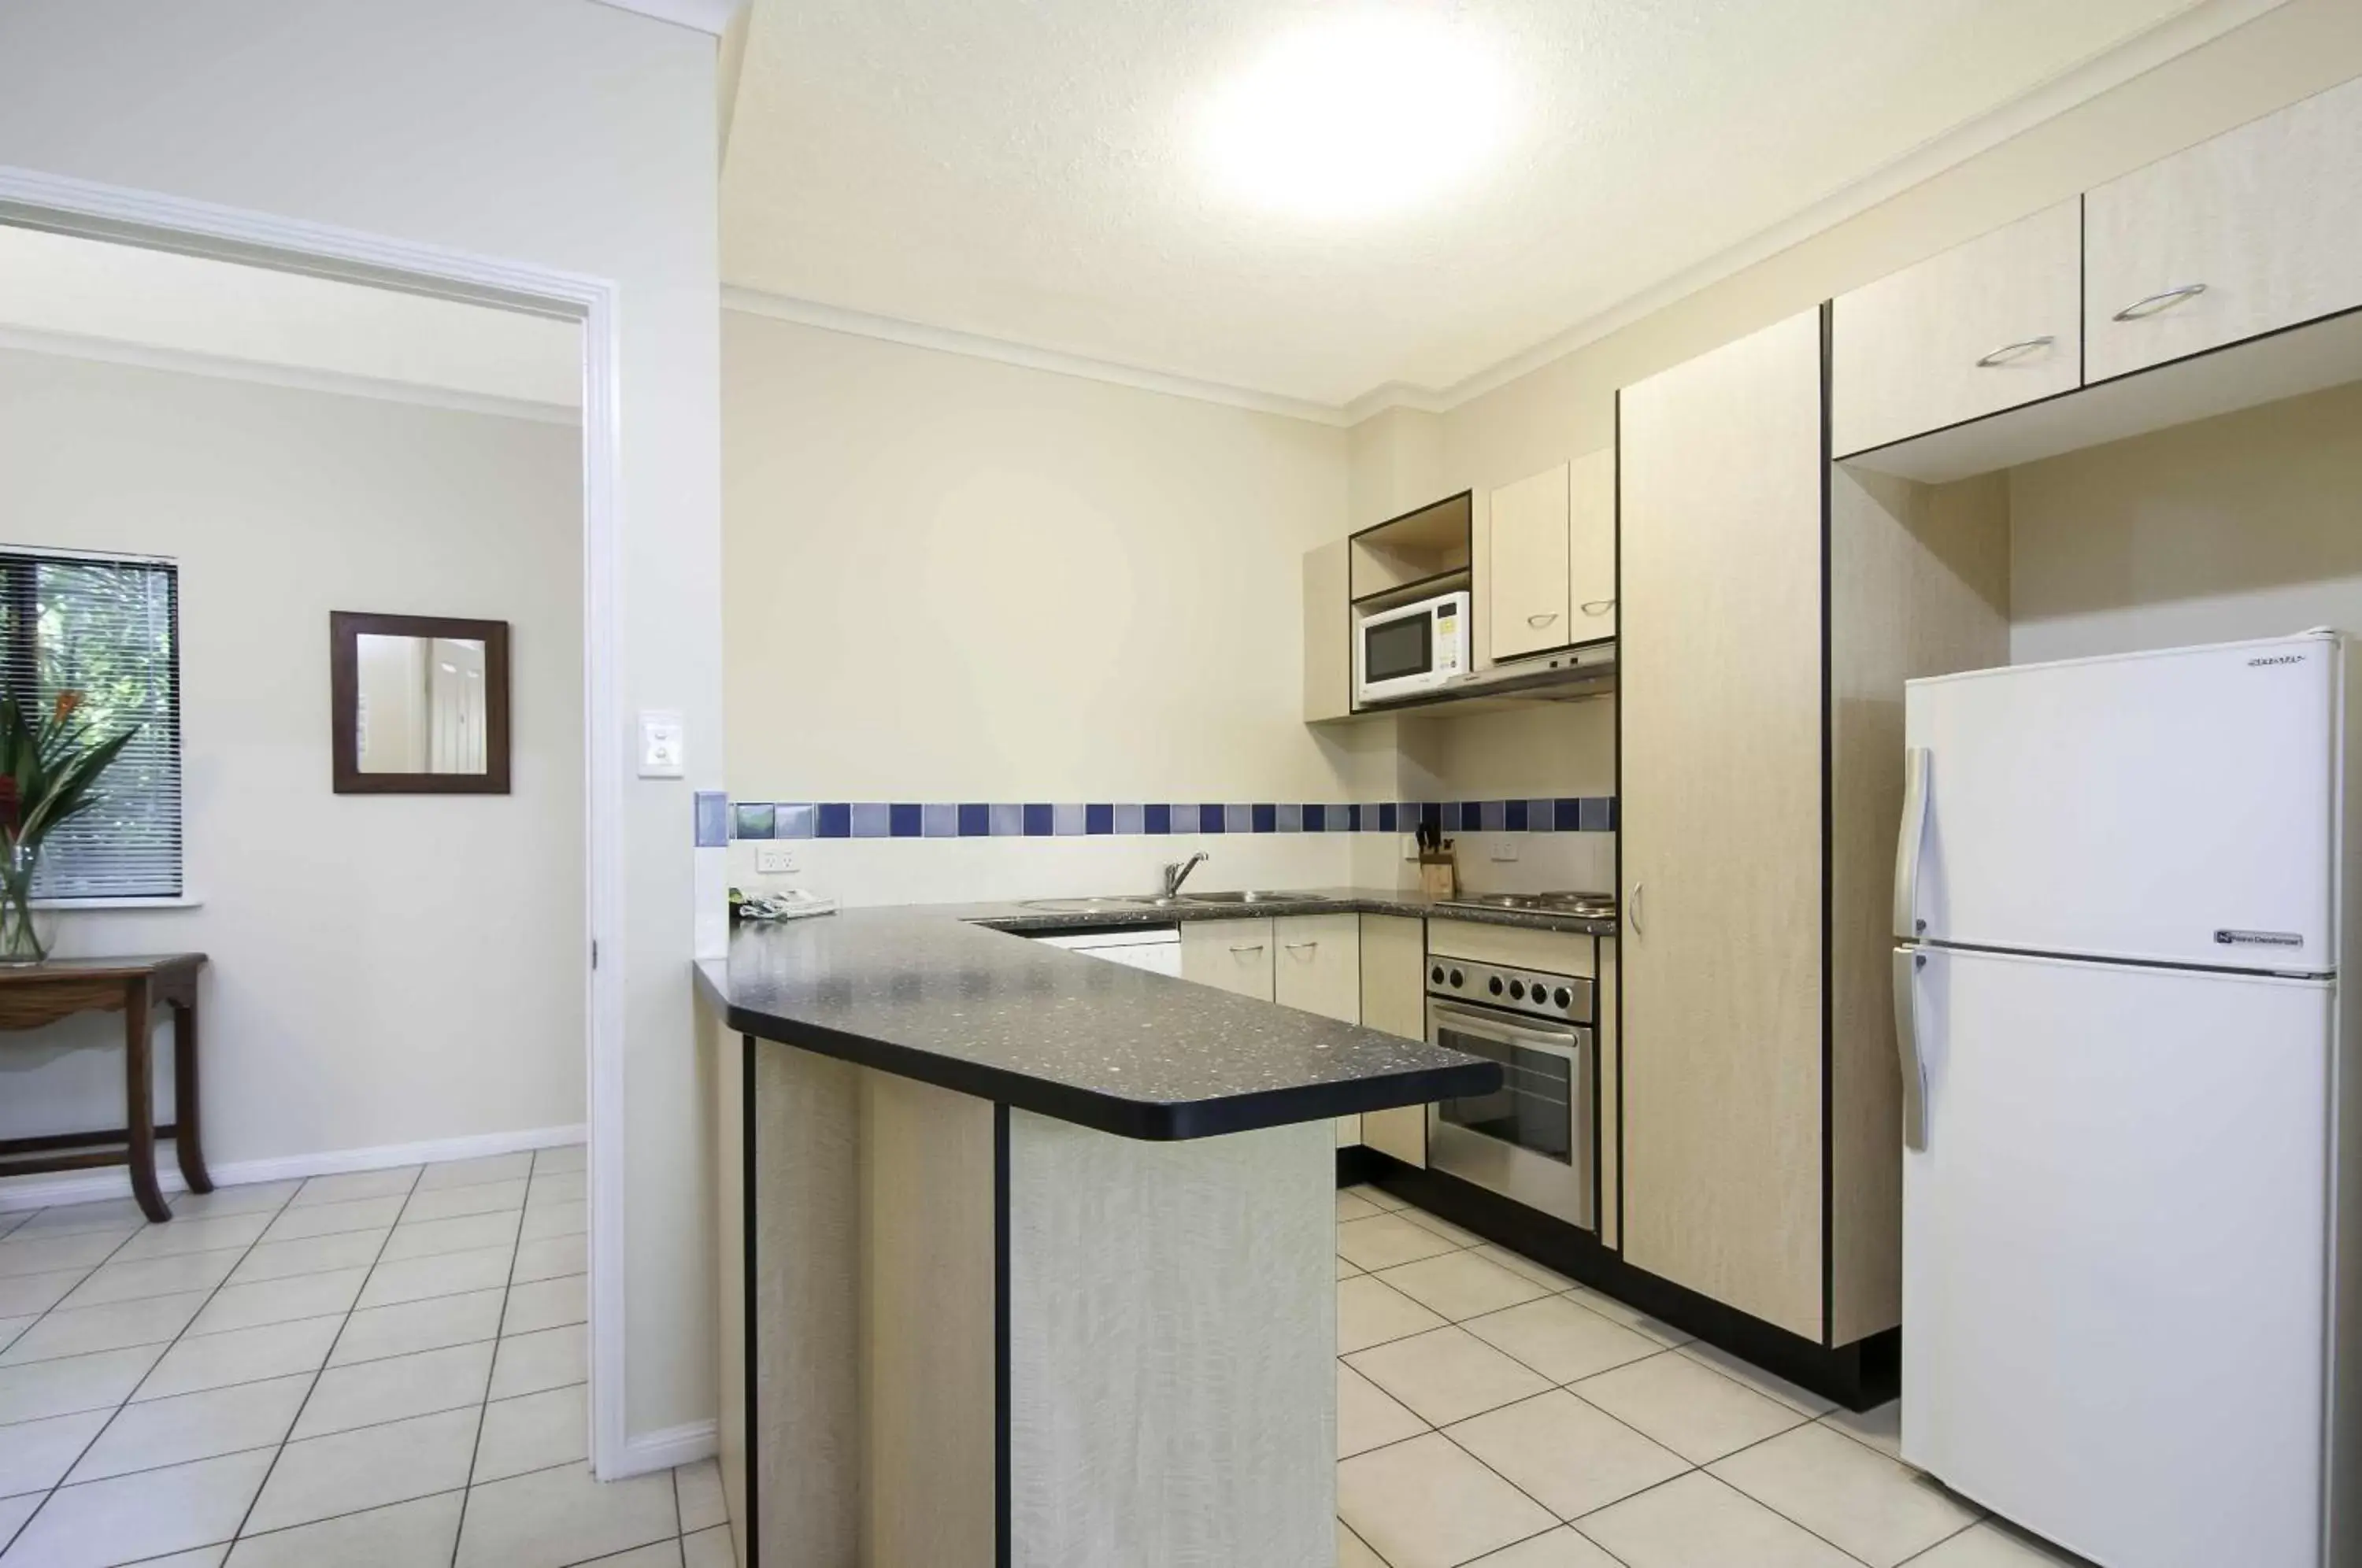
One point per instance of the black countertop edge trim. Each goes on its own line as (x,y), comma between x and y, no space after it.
(1146,1120)
(1038,923)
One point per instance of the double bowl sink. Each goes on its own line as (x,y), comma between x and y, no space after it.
(1244,897)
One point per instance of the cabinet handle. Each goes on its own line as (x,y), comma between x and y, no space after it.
(1541,619)
(1256,947)
(1298,946)
(2157,303)
(1637,928)
(1598,606)
(2019,349)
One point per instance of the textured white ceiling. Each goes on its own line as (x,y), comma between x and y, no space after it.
(1028,171)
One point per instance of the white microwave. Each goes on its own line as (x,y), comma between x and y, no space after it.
(1411,649)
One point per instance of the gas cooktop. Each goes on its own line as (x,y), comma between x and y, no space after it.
(1583,906)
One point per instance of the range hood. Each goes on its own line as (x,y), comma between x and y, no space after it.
(1568,676)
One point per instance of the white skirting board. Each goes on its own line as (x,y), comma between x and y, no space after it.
(47,1192)
(684,1444)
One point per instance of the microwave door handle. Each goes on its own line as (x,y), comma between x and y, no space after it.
(1917,764)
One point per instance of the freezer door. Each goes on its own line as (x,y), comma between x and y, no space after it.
(2173,807)
(2113,1264)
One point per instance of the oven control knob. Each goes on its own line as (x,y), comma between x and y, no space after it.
(1516,990)
(1435,976)
(1457,979)
(1563,996)
(1495,987)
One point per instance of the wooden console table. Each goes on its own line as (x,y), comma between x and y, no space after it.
(35,994)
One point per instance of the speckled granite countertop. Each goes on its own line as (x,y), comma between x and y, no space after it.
(952,995)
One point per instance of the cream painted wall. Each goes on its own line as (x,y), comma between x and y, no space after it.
(377,975)
(553,133)
(2247,526)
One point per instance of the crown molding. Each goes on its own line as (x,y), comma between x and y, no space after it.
(711,16)
(229,368)
(918,335)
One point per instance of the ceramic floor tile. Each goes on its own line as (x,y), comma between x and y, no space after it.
(322,1478)
(24,1294)
(313,1254)
(202,1557)
(698,1488)
(662,1554)
(1378,1196)
(1353,1552)
(552,1518)
(1443,1228)
(1847,1493)
(550,1258)
(1803,1401)
(152,1276)
(279,1301)
(1518,1263)
(476,1172)
(356,1183)
(1880,1428)
(1349,1206)
(42,1389)
(550,1359)
(13,1512)
(711,1548)
(372,1393)
(249,1198)
(464,1233)
(555,1220)
(100,1523)
(413,1326)
(1368,1417)
(1426,1504)
(1446,1376)
(1632,1318)
(548,1304)
(1569,1456)
(417,1279)
(416,1534)
(558,1186)
(12,1327)
(451,1202)
(1993,1544)
(208,1234)
(148,1320)
(36,1455)
(47,1254)
(1691,1409)
(535,1432)
(1385,1240)
(242,1355)
(336,1219)
(1461,1285)
(1561,1340)
(195,1425)
(1345,1270)
(564,1157)
(1370,1313)
(1697,1522)
(122,1215)
(1563,1548)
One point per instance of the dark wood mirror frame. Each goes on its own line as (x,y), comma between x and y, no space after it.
(345,627)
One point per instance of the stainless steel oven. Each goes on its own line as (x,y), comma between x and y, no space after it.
(1530,1139)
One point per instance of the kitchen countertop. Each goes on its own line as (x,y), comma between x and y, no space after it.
(954,995)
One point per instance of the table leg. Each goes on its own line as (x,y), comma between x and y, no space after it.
(139,1094)
(186,1141)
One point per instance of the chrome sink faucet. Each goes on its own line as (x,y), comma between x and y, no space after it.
(1178,873)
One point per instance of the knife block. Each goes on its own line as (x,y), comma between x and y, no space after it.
(1439,874)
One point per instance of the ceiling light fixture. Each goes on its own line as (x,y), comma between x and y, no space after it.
(1356,116)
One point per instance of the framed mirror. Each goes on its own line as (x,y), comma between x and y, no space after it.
(419,704)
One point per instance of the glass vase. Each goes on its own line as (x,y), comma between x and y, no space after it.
(23,931)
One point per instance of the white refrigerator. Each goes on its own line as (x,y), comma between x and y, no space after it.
(2129,1271)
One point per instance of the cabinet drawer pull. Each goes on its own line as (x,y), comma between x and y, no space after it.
(2157,303)
(1598,606)
(1298,946)
(1541,619)
(1253,947)
(2017,350)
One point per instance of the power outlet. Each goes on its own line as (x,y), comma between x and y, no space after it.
(775,859)
(1504,846)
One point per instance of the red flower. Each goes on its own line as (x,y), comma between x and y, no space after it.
(67,702)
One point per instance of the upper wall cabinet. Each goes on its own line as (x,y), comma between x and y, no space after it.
(1550,579)
(1985,326)
(2258,229)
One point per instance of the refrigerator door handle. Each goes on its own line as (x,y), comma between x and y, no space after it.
(1907,923)
(1908,962)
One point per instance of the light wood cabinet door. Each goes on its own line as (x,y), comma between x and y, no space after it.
(1228,954)
(1526,577)
(1591,546)
(1393,997)
(1720,720)
(1985,326)
(1327,635)
(2258,229)
(1316,964)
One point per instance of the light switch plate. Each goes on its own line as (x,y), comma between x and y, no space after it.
(774,859)
(663,744)
(1504,846)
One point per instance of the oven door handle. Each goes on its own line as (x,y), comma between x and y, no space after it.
(1568,1042)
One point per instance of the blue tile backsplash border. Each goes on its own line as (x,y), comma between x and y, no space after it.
(860,818)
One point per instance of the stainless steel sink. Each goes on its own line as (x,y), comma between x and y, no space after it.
(1114,901)
(1254,896)
(1095,906)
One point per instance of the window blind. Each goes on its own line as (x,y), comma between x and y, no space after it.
(106,629)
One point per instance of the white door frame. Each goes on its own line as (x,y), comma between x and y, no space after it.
(29,198)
